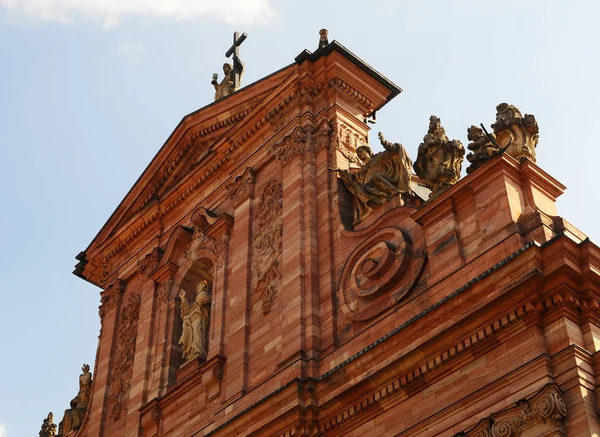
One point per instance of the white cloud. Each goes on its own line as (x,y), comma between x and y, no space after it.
(132,51)
(2,430)
(111,13)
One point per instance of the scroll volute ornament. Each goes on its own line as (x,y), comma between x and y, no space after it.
(520,133)
(439,160)
(243,186)
(383,267)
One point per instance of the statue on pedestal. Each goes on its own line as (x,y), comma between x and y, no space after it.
(482,146)
(381,177)
(48,427)
(439,160)
(232,73)
(195,318)
(520,134)
(73,417)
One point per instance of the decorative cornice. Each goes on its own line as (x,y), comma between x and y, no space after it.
(546,406)
(110,297)
(243,186)
(407,379)
(353,93)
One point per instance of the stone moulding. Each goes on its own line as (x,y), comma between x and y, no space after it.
(545,407)
(397,385)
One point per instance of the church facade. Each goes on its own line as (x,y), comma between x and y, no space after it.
(262,279)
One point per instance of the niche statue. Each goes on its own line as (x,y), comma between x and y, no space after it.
(381,177)
(195,317)
(73,417)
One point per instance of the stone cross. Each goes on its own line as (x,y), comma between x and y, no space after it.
(235,51)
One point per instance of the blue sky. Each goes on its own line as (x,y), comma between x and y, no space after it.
(90,90)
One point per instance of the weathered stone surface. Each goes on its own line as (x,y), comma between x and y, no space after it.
(517,132)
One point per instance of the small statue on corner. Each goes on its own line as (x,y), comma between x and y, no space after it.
(48,427)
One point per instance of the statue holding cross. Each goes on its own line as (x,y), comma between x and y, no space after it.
(233,73)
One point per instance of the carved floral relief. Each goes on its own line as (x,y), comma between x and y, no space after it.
(267,246)
(124,354)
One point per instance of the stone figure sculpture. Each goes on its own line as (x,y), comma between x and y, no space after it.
(381,177)
(73,417)
(195,317)
(520,134)
(232,72)
(48,427)
(481,146)
(439,160)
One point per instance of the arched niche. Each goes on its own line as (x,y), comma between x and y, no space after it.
(190,275)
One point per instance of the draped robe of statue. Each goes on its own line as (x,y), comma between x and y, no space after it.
(385,175)
(73,417)
(195,318)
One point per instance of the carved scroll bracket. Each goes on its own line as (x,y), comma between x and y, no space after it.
(242,187)
(148,265)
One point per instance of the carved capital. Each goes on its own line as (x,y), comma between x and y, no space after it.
(547,407)
(291,146)
(243,186)
(110,297)
(148,265)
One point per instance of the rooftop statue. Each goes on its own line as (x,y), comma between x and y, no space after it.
(439,160)
(232,72)
(48,427)
(195,318)
(73,417)
(482,146)
(382,176)
(519,134)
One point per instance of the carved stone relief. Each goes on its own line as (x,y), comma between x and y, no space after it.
(148,265)
(202,241)
(346,141)
(292,145)
(110,297)
(322,136)
(546,407)
(267,246)
(125,352)
(164,291)
(243,186)
(382,269)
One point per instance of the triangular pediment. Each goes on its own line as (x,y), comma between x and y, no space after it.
(208,145)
